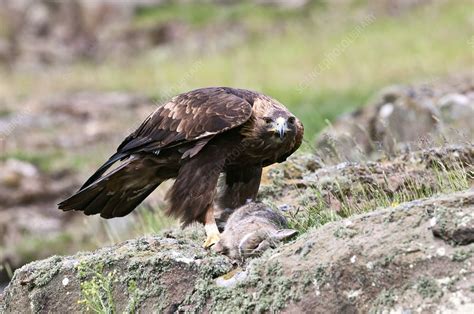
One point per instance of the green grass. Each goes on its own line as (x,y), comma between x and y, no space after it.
(4,112)
(367,197)
(148,220)
(97,289)
(152,221)
(205,14)
(389,50)
(287,54)
(51,160)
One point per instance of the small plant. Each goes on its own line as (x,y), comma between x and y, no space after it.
(135,297)
(97,290)
(428,288)
(386,299)
(461,255)
(148,220)
(367,195)
(152,220)
(313,213)
(8,269)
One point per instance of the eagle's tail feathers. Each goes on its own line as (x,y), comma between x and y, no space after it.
(115,157)
(114,195)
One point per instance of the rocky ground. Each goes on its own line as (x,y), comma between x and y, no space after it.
(380,226)
(417,256)
(402,246)
(39,33)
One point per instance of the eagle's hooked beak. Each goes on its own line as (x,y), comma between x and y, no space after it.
(281,127)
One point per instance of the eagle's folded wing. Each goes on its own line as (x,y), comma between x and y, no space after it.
(188,117)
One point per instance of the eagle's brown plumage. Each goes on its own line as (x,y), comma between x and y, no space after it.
(194,138)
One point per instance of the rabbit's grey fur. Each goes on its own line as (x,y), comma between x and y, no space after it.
(252,229)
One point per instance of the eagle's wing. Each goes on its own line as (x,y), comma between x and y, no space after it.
(189,117)
(198,114)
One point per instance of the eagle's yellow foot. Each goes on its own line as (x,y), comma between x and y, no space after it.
(211,240)
(213,235)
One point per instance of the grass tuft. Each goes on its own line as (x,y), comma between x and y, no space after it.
(368,197)
(97,290)
(152,220)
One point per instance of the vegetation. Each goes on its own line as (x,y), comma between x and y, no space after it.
(97,289)
(364,197)
(428,288)
(44,160)
(335,77)
(320,61)
(205,14)
(8,269)
(148,220)
(152,221)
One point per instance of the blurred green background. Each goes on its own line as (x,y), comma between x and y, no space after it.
(320,58)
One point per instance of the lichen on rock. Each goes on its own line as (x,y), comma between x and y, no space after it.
(322,268)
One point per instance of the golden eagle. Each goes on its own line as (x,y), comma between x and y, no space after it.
(194,138)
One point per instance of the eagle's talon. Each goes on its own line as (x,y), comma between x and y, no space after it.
(211,240)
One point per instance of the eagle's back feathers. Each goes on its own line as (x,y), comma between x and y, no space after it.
(190,116)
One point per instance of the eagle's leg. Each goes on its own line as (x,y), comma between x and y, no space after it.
(241,186)
(212,233)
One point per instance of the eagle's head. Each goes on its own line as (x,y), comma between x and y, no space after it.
(275,123)
(279,126)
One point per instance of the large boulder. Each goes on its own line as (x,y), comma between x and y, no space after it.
(402,118)
(406,258)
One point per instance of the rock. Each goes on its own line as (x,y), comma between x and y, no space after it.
(358,186)
(403,118)
(28,208)
(386,259)
(456,228)
(159,265)
(15,171)
(41,33)
(40,142)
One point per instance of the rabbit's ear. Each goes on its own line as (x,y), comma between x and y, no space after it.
(283,234)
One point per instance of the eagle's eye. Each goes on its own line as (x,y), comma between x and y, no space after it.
(291,120)
(268,120)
